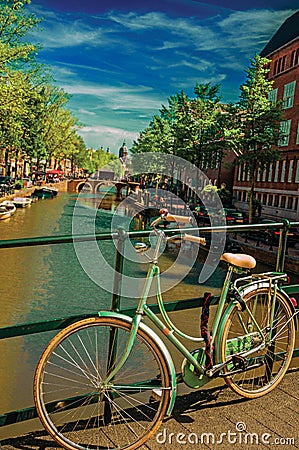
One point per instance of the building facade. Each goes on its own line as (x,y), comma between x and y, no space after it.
(277,188)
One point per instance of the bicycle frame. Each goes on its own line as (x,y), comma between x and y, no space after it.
(169,330)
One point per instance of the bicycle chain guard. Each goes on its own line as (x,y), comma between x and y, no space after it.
(190,377)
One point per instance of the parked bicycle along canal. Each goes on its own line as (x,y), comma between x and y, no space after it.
(46,282)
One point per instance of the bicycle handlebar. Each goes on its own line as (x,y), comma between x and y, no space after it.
(175,218)
(164,215)
(197,239)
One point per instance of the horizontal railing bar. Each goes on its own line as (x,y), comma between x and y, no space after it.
(57,324)
(51,240)
(291,289)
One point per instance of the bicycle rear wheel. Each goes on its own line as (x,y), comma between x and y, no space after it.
(261,371)
(78,409)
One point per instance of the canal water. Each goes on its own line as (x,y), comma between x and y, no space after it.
(45,282)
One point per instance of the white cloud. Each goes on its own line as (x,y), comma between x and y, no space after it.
(87,112)
(249,30)
(97,136)
(62,35)
(117,98)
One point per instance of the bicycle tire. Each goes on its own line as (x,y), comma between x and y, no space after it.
(74,405)
(265,368)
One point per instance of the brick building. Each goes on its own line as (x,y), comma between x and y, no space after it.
(277,187)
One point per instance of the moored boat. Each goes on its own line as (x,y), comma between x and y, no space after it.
(7,209)
(21,202)
(45,192)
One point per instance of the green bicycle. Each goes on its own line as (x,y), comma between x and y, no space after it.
(107,382)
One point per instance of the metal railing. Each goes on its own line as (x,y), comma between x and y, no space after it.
(120,236)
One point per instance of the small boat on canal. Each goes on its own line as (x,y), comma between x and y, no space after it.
(45,192)
(21,202)
(7,209)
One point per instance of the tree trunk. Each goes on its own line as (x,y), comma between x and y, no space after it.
(251,199)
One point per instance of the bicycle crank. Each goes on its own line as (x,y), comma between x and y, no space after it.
(240,364)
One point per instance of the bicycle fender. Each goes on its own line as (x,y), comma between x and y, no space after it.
(264,284)
(152,334)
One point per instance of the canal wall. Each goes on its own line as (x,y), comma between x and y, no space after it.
(62,186)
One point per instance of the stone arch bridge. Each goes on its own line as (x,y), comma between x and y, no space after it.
(95,186)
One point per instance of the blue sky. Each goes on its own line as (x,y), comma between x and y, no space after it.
(121,60)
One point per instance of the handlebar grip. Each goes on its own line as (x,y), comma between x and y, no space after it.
(197,239)
(181,219)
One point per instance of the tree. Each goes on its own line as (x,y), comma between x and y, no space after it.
(194,129)
(34,121)
(14,84)
(259,121)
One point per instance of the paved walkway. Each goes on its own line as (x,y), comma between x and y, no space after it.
(215,418)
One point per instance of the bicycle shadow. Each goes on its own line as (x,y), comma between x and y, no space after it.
(185,406)
(37,440)
(192,402)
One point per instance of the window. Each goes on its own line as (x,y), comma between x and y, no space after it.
(270,199)
(272,96)
(290,174)
(276,171)
(243,172)
(264,199)
(276,201)
(283,171)
(270,173)
(258,176)
(264,175)
(290,203)
(295,57)
(280,64)
(239,173)
(297,173)
(284,133)
(283,201)
(297,138)
(288,95)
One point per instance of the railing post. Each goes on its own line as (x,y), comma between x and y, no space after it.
(115,306)
(282,246)
(118,270)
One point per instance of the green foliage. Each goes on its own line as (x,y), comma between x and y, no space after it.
(197,129)
(35,122)
(95,160)
(259,121)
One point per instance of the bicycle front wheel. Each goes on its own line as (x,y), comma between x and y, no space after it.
(75,404)
(258,373)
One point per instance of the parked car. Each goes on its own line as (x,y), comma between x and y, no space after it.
(204,215)
(235,217)
(292,236)
(201,214)
(272,236)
